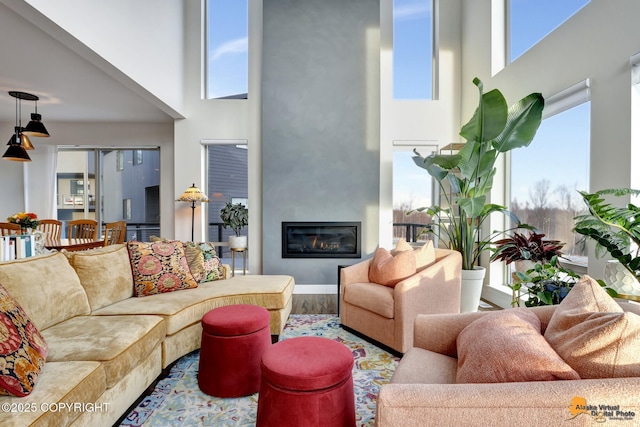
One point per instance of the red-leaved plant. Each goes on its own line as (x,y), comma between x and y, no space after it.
(520,247)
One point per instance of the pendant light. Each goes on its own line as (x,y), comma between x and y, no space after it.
(35,127)
(19,141)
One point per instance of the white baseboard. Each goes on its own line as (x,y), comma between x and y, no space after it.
(500,296)
(315,289)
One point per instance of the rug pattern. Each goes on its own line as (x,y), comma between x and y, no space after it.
(178,400)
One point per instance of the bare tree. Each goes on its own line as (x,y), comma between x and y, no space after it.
(539,194)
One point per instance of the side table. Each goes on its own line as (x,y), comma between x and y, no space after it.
(233,260)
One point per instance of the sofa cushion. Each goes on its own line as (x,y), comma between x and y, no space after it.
(203,261)
(186,308)
(60,383)
(372,297)
(507,346)
(105,274)
(388,270)
(46,287)
(119,342)
(159,267)
(441,368)
(425,255)
(23,351)
(592,333)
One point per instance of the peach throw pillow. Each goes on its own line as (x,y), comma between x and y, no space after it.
(388,270)
(507,346)
(592,333)
(425,256)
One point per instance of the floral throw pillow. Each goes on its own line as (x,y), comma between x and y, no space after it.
(203,261)
(159,267)
(23,351)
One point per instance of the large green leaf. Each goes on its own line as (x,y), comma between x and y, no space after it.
(522,123)
(489,119)
(472,206)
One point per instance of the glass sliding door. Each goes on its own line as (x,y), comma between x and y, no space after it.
(111,185)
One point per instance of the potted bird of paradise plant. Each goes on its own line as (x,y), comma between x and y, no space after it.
(466,178)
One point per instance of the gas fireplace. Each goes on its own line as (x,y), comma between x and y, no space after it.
(321,240)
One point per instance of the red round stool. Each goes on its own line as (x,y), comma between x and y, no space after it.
(233,341)
(306,381)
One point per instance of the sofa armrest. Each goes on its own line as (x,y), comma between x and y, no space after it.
(438,332)
(356,273)
(512,404)
(435,289)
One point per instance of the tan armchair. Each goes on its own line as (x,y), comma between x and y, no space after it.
(422,390)
(385,314)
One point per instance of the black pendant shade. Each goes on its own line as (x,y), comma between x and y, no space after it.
(19,142)
(16,153)
(35,127)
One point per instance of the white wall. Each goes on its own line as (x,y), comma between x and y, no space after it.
(595,43)
(142,38)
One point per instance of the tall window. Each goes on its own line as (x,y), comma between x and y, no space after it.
(111,185)
(227,182)
(412,189)
(532,20)
(413,49)
(546,175)
(227,53)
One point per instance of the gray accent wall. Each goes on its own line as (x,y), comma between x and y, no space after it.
(320,125)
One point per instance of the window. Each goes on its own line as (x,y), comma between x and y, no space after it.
(227,53)
(412,189)
(532,20)
(227,182)
(546,174)
(104,185)
(413,49)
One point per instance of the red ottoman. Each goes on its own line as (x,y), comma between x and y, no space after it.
(233,340)
(306,381)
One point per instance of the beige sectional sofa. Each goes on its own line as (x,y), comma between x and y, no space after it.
(106,346)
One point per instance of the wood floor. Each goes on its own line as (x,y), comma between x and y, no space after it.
(314,304)
(328,304)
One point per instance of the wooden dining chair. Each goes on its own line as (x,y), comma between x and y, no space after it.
(115,232)
(9,228)
(51,227)
(83,229)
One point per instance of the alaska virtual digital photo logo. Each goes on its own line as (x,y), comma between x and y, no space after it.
(600,413)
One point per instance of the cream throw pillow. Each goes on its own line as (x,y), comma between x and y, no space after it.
(594,335)
(507,346)
(388,270)
(105,274)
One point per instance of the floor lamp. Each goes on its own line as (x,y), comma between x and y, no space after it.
(193,194)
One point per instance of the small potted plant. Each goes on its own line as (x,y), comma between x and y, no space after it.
(525,251)
(545,284)
(235,216)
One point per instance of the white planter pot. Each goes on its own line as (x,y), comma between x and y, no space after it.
(620,279)
(238,242)
(471,291)
(523,265)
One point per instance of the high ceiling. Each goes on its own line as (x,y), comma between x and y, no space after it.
(73,83)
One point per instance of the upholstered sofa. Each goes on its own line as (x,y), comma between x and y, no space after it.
(386,314)
(106,346)
(426,389)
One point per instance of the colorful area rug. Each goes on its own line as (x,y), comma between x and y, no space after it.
(177,400)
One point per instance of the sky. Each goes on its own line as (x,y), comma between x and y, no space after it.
(562,142)
(566,135)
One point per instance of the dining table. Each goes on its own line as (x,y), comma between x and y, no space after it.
(72,245)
